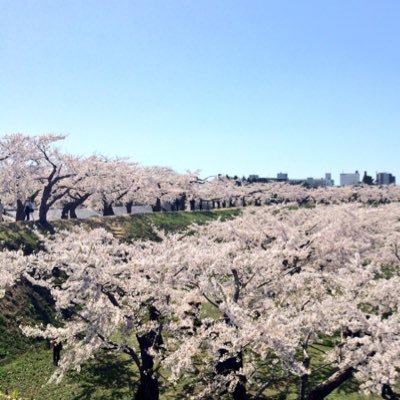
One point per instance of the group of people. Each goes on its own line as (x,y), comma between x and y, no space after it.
(28,210)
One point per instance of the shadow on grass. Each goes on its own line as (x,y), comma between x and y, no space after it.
(108,377)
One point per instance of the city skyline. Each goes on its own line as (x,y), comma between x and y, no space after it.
(224,87)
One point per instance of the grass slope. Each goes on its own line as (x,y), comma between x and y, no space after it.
(21,235)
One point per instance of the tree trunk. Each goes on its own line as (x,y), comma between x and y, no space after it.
(157,206)
(183,202)
(72,211)
(129,206)
(20,214)
(233,364)
(107,209)
(148,388)
(65,211)
(387,393)
(43,210)
(78,201)
(177,204)
(149,385)
(304,379)
(332,383)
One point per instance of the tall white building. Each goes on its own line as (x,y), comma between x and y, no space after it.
(347,179)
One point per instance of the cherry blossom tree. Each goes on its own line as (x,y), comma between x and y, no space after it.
(18,172)
(266,287)
(33,167)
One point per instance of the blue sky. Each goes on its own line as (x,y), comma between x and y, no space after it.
(226,86)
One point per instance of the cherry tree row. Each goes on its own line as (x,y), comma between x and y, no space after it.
(33,167)
(240,307)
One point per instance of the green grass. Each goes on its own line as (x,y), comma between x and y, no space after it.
(108,376)
(21,305)
(141,226)
(19,235)
(105,377)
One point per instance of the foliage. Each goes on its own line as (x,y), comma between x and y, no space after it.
(277,302)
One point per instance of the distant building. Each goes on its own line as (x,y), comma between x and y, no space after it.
(349,179)
(313,182)
(282,176)
(385,178)
(328,179)
(253,178)
(322,182)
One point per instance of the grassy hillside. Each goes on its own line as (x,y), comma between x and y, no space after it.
(21,235)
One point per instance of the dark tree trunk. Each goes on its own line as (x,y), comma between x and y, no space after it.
(65,211)
(148,388)
(72,211)
(387,393)
(20,214)
(157,206)
(304,379)
(177,204)
(192,205)
(107,209)
(44,204)
(43,210)
(129,206)
(69,209)
(75,204)
(240,392)
(201,205)
(183,202)
(332,383)
(149,385)
(233,364)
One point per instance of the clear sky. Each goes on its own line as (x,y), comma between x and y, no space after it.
(225,86)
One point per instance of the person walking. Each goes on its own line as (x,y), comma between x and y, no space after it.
(28,208)
(57,347)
